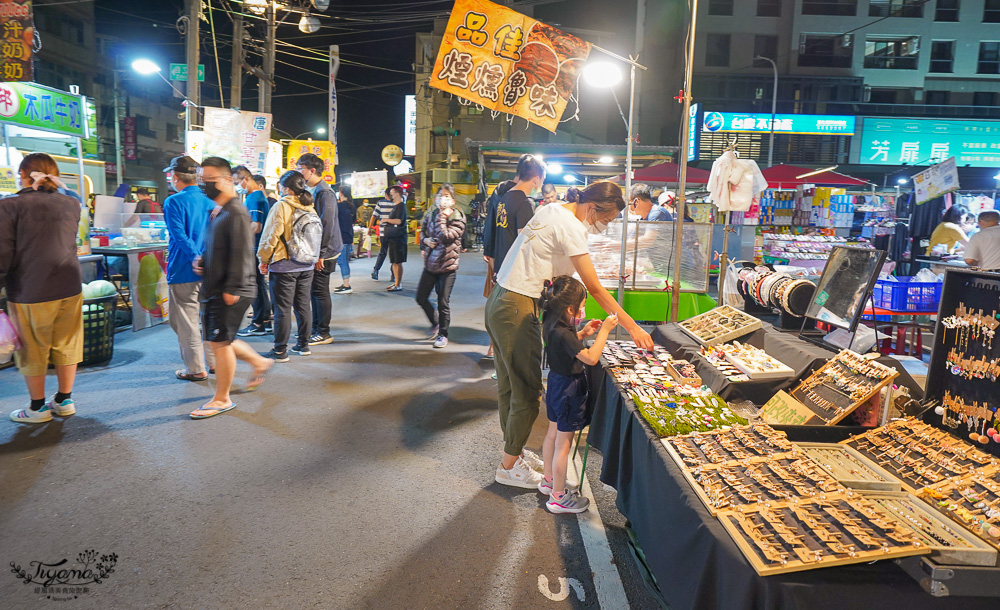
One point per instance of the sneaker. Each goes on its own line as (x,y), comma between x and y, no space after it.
(301,350)
(520,475)
(571,502)
(268,329)
(440,342)
(62,409)
(320,340)
(434,332)
(342,290)
(545,487)
(533,460)
(27,416)
(277,356)
(375,275)
(251,331)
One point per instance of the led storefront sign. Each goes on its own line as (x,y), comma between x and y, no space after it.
(805,124)
(894,141)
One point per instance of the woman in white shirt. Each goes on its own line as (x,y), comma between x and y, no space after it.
(553,243)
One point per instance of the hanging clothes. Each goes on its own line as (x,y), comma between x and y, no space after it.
(735,184)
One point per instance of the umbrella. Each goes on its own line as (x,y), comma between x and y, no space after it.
(787,176)
(668,173)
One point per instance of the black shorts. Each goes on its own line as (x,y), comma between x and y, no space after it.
(566,401)
(219,322)
(397,250)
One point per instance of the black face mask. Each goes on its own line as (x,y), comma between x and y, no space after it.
(210,190)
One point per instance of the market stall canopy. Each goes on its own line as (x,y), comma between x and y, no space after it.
(667,173)
(498,160)
(788,175)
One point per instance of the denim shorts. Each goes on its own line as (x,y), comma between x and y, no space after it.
(566,401)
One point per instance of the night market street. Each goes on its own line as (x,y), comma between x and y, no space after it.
(358,477)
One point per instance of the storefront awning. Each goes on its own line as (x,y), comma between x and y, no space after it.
(786,176)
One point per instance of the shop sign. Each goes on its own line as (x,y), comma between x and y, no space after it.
(504,61)
(239,137)
(410,126)
(936,181)
(8,180)
(326,151)
(800,124)
(894,141)
(334,69)
(369,184)
(18,38)
(693,132)
(129,143)
(39,107)
(180,72)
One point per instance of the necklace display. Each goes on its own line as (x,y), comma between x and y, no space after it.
(849,467)
(970,324)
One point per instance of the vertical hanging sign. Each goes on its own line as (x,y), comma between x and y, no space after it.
(410,126)
(129,142)
(334,68)
(18,32)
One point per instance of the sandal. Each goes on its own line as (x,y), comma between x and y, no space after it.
(255,380)
(394,288)
(185,376)
(205,412)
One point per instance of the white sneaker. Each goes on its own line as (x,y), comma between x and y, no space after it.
(532,460)
(545,487)
(27,416)
(571,502)
(520,475)
(64,408)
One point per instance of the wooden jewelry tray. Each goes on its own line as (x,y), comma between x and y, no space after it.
(844,403)
(727,447)
(849,467)
(968,499)
(716,334)
(780,371)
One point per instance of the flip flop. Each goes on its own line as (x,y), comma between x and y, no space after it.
(256,379)
(394,288)
(188,376)
(205,413)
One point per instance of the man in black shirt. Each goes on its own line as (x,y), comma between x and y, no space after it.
(228,285)
(515,209)
(311,167)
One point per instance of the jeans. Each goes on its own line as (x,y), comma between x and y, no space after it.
(322,303)
(185,316)
(261,304)
(383,251)
(345,262)
(291,293)
(442,284)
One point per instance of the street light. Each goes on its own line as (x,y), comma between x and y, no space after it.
(553,168)
(774,103)
(569,179)
(318,130)
(145,67)
(602,74)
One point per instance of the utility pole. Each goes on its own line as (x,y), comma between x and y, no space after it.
(236,78)
(193,58)
(451,130)
(267,83)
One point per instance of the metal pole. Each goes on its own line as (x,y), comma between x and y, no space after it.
(191,45)
(236,75)
(675,289)
(450,129)
(79,169)
(119,168)
(267,85)
(724,259)
(6,145)
(774,106)
(628,190)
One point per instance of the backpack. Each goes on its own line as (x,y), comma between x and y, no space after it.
(307,237)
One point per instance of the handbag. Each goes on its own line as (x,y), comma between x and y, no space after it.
(9,343)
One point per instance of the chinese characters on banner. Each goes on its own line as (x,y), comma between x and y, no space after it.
(239,137)
(327,151)
(365,185)
(936,181)
(43,108)
(507,62)
(18,33)
(334,69)
(128,138)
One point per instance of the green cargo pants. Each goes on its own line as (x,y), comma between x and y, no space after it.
(513,326)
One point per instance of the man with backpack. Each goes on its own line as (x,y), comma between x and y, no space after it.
(311,168)
(290,246)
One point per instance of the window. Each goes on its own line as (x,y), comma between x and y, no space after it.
(947,10)
(991,13)
(717,50)
(830,7)
(720,7)
(984,98)
(824,51)
(473,110)
(942,55)
(892,53)
(142,126)
(989,58)
(896,8)
(175,132)
(936,98)
(883,96)
(765,46)
(769,8)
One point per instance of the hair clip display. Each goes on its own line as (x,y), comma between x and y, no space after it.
(738,445)
(755,362)
(719,325)
(973,500)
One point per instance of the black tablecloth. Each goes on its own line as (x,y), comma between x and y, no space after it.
(798,354)
(695,561)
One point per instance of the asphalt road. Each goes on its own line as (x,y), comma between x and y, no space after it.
(358,477)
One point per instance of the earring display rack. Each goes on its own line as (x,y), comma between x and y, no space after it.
(849,467)
(842,384)
(717,358)
(720,325)
(738,445)
(972,500)
(778,479)
(918,454)
(687,414)
(818,533)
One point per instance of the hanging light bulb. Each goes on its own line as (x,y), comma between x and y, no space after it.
(321,5)
(309,24)
(256,6)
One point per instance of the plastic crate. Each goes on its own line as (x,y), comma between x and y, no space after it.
(99,329)
(904,294)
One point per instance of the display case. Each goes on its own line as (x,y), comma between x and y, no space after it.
(719,325)
(850,467)
(649,255)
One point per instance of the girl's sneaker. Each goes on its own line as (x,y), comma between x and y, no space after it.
(545,487)
(62,409)
(27,416)
(571,502)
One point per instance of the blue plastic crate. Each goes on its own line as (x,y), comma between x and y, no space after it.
(906,295)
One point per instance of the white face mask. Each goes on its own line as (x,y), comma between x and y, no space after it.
(595,228)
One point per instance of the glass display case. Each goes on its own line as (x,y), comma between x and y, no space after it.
(649,255)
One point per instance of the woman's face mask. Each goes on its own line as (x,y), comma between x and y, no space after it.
(594,226)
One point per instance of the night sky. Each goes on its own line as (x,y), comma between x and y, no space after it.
(378,33)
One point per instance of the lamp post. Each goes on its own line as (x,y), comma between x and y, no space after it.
(147,67)
(774,104)
(320,131)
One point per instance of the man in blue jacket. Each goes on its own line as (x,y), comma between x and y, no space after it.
(311,167)
(186,214)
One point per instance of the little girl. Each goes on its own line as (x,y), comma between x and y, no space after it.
(566,397)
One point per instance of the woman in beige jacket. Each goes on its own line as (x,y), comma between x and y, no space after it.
(290,280)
